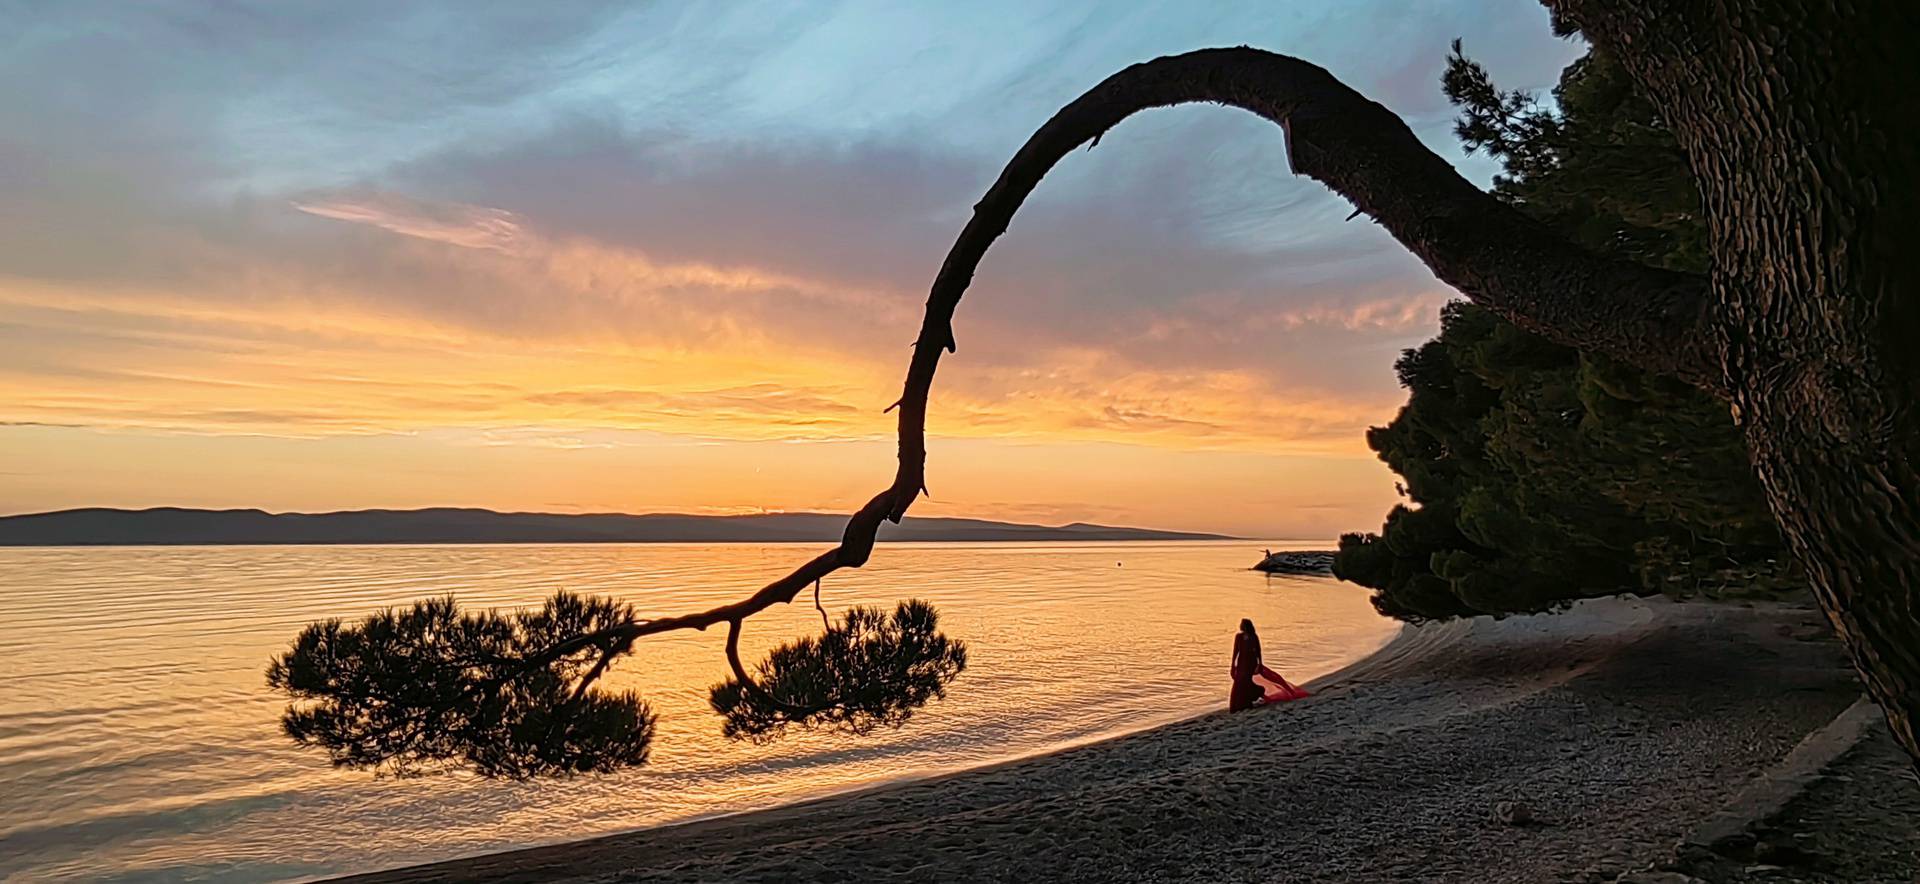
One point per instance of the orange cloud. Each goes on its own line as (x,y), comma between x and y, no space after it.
(629,343)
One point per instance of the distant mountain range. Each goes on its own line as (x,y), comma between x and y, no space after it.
(175,526)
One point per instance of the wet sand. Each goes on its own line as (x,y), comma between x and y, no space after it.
(1619,725)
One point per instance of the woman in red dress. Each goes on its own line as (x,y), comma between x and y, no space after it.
(1246,664)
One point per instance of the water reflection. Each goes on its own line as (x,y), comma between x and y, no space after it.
(138,739)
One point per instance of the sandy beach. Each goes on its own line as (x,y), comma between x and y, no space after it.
(1620,725)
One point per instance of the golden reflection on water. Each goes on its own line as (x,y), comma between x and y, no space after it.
(138,739)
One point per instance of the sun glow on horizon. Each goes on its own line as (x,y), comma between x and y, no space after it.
(571,294)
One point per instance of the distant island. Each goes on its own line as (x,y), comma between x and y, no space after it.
(176,526)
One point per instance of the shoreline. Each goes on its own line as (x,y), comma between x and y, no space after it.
(1078,812)
(1315,685)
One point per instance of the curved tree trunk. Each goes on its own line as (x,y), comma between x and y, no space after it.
(1791,114)
(1808,324)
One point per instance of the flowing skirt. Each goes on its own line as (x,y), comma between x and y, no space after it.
(1277,688)
(1265,686)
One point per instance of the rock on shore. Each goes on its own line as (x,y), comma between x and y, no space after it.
(1305,562)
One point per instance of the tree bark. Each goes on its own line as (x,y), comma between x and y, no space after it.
(1790,114)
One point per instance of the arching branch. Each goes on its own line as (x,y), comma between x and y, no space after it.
(1645,316)
(1493,254)
(1490,252)
(1499,258)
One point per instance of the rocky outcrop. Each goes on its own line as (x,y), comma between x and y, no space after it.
(1309,562)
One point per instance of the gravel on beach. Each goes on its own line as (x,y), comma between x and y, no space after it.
(1568,747)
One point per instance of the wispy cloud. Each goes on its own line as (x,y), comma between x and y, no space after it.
(457,224)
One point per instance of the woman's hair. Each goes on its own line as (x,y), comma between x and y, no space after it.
(1246,625)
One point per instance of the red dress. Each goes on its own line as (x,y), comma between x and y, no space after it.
(1253,682)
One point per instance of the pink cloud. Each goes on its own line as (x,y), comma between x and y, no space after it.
(458,224)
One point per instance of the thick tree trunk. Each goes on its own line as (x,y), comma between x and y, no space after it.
(1792,115)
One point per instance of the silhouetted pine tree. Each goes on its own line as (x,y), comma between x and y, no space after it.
(1538,475)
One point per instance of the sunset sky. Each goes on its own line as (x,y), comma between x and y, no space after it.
(670,256)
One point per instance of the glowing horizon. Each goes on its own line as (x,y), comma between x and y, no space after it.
(574,263)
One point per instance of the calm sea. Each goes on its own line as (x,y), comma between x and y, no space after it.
(138,740)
